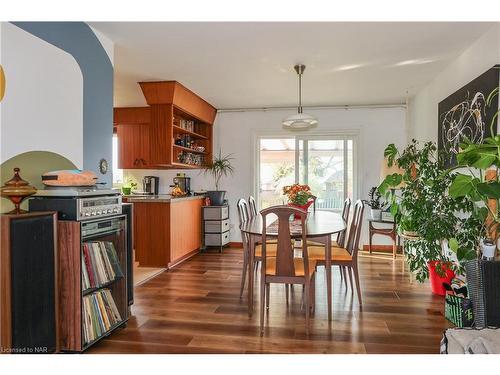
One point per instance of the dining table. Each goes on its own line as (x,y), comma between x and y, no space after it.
(321,225)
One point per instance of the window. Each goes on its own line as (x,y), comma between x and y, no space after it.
(117,173)
(325,163)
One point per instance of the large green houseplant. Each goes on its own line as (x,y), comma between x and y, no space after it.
(423,209)
(219,167)
(476,178)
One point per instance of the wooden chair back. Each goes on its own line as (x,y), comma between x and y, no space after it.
(354,234)
(285,253)
(345,216)
(242,210)
(252,206)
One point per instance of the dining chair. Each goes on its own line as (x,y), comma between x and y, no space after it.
(283,267)
(345,256)
(243,214)
(252,206)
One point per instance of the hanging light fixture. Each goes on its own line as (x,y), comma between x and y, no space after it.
(300,121)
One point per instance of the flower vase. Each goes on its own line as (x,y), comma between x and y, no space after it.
(303,207)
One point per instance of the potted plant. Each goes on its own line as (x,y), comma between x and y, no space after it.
(128,186)
(375,203)
(424,210)
(299,196)
(220,166)
(476,178)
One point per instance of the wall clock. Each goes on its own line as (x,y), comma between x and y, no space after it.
(103,166)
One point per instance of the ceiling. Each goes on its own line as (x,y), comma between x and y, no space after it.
(250,65)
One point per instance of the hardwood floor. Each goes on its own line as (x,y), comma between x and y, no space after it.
(195,309)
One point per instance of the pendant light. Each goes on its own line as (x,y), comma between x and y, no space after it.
(300,121)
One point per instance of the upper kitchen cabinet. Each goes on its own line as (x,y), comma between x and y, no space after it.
(132,129)
(180,131)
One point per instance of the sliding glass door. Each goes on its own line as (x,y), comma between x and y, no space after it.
(325,163)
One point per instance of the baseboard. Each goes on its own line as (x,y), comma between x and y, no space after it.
(382,248)
(183,258)
(236,245)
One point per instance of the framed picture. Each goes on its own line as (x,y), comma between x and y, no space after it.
(465,114)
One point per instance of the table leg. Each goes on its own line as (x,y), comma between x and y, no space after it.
(328,270)
(251,261)
(394,241)
(370,234)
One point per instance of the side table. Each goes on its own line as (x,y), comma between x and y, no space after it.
(389,232)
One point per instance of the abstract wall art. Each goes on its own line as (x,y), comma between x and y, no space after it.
(465,113)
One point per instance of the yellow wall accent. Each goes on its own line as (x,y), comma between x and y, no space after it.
(2,83)
(33,164)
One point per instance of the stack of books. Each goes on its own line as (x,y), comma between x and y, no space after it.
(100,264)
(100,314)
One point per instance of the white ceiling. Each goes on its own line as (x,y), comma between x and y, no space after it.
(249,65)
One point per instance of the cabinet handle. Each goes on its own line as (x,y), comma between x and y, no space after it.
(136,161)
(143,162)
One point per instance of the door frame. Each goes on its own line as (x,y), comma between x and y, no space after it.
(355,135)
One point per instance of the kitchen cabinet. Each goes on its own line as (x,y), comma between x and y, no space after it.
(178,132)
(133,146)
(167,230)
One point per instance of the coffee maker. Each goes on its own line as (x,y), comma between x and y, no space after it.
(184,183)
(150,184)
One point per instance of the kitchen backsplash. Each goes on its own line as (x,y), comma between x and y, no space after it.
(198,180)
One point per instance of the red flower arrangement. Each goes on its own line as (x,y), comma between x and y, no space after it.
(299,196)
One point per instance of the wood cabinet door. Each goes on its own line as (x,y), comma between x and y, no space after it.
(144,158)
(133,146)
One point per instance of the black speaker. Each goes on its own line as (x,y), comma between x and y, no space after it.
(483,278)
(128,210)
(30,246)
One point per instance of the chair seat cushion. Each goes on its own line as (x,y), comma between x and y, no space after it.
(270,250)
(313,243)
(338,253)
(298,265)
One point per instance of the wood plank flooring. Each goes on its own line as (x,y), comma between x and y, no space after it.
(195,308)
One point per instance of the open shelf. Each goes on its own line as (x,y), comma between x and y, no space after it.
(105,334)
(186,166)
(105,285)
(179,130)
(187,149)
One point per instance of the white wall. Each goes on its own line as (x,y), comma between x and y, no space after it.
(43,104)
(475,60)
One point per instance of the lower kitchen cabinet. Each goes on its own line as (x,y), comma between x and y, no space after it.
(166,232)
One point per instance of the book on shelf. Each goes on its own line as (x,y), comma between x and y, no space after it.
(100,264)
(100,314)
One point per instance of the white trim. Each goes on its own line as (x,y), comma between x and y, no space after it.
(355,135)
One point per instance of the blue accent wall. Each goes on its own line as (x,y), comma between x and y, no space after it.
(78,39)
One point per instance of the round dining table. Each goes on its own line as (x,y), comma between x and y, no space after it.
(320,226)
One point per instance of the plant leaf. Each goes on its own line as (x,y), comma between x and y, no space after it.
(489,189)
(453,244)
(461,186)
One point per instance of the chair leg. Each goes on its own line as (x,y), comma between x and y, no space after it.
(268,295)
(313,293)
(307,286)
(341,273)
(287,291)
(244,273)
(350,279)
(262,301)
(345,275)
(356,278)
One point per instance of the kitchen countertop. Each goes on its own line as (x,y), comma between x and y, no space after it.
(161,198)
